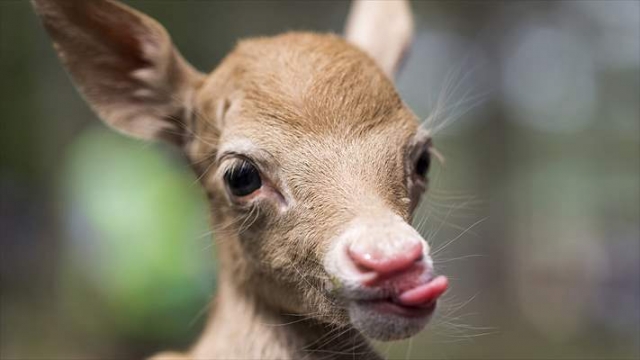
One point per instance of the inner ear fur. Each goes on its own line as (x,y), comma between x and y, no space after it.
(124,64)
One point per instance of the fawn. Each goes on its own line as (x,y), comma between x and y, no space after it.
(312,164)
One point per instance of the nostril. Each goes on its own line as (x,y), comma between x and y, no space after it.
(385,259)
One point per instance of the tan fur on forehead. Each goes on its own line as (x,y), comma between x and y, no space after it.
(308,82)
(327,101)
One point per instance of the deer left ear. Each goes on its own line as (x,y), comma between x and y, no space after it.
(383,29)
(124,64)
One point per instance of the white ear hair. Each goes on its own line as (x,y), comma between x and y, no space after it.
(383,29)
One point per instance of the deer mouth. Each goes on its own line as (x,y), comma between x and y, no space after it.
(399,315)
(391,307)
(417,302)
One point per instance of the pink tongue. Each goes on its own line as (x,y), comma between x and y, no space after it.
(424,294)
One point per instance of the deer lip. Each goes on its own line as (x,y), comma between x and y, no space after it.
(417,302)
(391,306)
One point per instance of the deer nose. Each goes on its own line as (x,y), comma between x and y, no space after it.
(386,257)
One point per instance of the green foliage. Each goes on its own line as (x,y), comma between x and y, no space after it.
(143,253)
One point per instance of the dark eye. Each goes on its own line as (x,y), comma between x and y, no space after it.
(422,164)
(243,179)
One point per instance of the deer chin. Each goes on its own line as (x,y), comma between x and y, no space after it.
(384,320)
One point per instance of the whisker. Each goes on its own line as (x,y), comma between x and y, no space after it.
(458,237)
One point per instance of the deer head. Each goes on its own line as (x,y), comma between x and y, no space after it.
(312,163)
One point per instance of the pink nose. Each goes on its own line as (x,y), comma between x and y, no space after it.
(385,258)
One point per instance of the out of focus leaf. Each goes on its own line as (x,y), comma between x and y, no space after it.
(142,252)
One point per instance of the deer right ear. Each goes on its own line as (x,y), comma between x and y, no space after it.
(124,64)
(383,29)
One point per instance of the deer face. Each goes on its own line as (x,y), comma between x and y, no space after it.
(312,163)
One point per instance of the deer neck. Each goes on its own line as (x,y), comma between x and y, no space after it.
(242,325)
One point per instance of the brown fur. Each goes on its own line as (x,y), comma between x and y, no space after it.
(329,129)
(331,103)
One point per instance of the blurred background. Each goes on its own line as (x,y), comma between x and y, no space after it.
(535,214)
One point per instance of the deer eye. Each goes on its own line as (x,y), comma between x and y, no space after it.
(423,163)
(243,179)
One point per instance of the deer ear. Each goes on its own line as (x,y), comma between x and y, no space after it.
(383,29)
(124,64)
